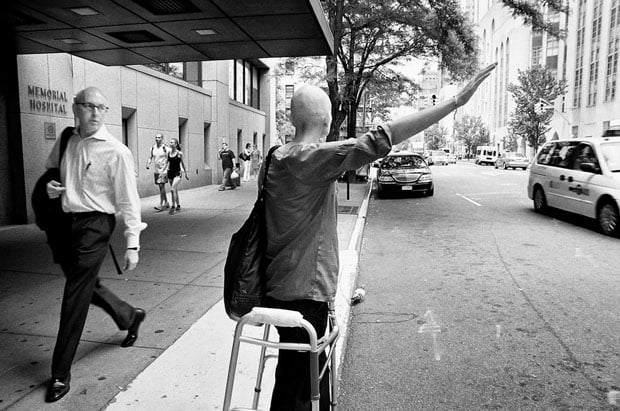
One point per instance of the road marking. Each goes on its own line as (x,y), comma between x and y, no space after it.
(433,328)
(469,199)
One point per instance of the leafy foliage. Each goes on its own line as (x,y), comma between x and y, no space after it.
(510,143)
(435,137)
(370,35)
(472,131)
(531,13)
(526,121)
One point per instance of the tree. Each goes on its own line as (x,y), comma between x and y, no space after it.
(370,35)
(510,143)
(527,121)
(531,13)
(435,137)
(472,131)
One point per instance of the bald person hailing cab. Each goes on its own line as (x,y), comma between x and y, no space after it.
(301,211)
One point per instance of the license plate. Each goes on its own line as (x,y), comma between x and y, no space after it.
(406,188)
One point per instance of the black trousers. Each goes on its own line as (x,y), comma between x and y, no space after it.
(291,391)
(86,246)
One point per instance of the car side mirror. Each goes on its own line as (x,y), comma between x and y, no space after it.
(588,167)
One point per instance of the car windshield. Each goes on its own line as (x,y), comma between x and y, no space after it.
(402,162)
(439,153)
(610,153)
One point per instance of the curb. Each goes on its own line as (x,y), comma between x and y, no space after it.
(347,277)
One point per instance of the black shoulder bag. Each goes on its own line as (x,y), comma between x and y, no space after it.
(244,271)
(48,214)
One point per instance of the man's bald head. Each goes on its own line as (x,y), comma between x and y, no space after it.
(311,111)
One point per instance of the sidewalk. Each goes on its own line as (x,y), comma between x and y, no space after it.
(181,359)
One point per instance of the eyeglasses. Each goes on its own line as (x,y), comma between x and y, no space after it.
(90,106)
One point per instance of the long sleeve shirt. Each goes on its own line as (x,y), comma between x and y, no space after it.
(301,213)
(98,174)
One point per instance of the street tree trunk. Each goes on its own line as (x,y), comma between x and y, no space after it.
(331,62)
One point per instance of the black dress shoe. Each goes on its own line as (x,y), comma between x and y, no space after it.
(132,331)
(56,389)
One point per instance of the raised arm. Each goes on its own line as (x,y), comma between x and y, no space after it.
(407,126)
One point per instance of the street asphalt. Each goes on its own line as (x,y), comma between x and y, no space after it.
(180,360)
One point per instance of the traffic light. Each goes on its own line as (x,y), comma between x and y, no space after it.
(434,98)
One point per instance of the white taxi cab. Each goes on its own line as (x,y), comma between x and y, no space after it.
(581,176)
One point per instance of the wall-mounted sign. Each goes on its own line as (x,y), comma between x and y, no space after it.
(50,131)
(47,101)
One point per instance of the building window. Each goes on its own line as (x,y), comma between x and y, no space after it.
(289,67)
(537,49)
(612,54)
(553,47)
(172,69)
(255,87)
(239,77)
(595,52)
(581,31)
(244,83)
(289,90)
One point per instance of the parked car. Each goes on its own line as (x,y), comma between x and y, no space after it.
(404,172)
(451,158)
(438,157)
(579,176)
(511,160)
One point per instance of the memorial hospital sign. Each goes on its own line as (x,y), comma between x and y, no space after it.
(47,101)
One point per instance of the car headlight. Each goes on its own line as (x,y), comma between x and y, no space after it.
(426,178)
(385,178)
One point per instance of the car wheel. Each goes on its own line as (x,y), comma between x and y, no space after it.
(540,201)
(608,218)
(496,166)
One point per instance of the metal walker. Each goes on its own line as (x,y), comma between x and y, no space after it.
(267,317)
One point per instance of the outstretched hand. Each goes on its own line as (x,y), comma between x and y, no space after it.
(468,91)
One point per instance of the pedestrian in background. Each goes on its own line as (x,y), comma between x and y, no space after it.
(256,160)
(174,169)
(228,163)
(245,157)
(158,156)
(99,179)
(301,210)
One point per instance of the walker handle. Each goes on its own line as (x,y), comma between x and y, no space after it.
(275,316)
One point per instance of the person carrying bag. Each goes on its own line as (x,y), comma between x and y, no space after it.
(244,271)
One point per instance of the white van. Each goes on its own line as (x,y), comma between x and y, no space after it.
(579,176)
(486,155)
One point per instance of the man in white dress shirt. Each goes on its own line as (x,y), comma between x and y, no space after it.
(97,181)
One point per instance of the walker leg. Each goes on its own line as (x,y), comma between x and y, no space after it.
(261,368)
(232,367)
(333,377)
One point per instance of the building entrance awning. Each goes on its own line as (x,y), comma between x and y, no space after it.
(126,32)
